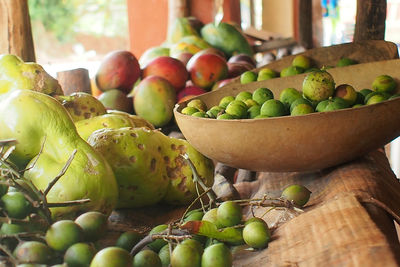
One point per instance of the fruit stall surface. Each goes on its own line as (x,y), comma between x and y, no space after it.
(192,154)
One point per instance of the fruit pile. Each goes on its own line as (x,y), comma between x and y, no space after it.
(194,59)
(318,94)
(300,64)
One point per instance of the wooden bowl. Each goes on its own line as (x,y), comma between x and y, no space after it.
(300,143)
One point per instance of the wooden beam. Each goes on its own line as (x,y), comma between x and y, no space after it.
(370,20)
(304,24)
(15,30)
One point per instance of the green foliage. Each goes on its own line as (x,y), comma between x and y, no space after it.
(66,18)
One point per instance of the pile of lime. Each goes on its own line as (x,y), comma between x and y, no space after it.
(318,94)
(300,64)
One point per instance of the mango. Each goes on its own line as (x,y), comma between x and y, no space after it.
(35,120)
(180,28)
(15,74)
(149,167)
(154,100)
(118,70)
(152,53)
(226,38)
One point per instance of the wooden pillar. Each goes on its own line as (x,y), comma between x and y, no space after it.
(370,20)
(303,21)
(15,30)
(177,9)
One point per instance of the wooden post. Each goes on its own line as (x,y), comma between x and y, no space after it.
(15,30)
(176,9)
(370,20)
(304,23)
(76,80)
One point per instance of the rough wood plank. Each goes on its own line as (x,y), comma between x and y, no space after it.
(370,20)
(15,30)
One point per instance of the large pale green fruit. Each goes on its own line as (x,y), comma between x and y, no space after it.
(149,166)
(154,100)
(35,120)
(112,120)
(15,74)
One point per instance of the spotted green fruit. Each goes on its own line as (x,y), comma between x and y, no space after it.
(33,252)
(318,86)
(298,194)
(384,83)
(273,108)
(256,234)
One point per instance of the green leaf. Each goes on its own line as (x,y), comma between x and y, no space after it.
(229,235)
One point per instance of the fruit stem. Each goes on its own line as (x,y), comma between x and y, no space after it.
(169,234)
(62,172)
(196,178)
(9,256)
(191,205)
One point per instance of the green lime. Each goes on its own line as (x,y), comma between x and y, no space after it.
(256,234)
(63,234)
(226,116)
(236,110)
(248,77)
(302,109)
(200,114)
(345,61)
(229,213)
(250,102)
(216,255)
(194,244)
(79,255)
(244,95)
(164,255)
(297,194)
(16,205)
(301,61)
(365,92)
(195,215)
(262,94)
(384,83)
(253,111)
(189,110)
(360,98)
(291,70)
(376,98)
(211,216)
(112,257)
(93,224)
(273,108)
(157,244)
(261,117)
(185,256)
(225,101)
(266,74)
(289,95)
(358,105)
(394,96)
(214,111)
(128,240)
(298,102)
(147,258)
(197,103)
